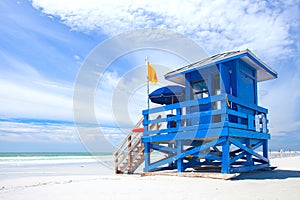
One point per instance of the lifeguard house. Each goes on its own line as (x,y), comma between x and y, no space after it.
(213,120)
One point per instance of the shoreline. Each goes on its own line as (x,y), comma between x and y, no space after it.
(282,183)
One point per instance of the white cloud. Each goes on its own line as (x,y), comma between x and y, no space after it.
(77,57)
(263,26)
(27,94)
(99,138)
(59,132)
(283,100)
(13,131)
(217,25)
(21,100)
(120,98)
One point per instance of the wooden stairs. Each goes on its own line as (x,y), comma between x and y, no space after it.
(130,153)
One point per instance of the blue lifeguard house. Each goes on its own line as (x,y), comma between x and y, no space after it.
(217,125)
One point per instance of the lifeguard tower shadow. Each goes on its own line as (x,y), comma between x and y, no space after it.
(268,175)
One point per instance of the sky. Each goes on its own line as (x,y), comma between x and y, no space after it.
(43,45)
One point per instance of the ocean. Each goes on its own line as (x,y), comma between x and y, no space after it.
(16,165)
(54,164)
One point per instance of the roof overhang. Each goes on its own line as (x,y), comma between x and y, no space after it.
(264,72)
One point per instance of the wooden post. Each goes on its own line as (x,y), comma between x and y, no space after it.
(225,157)
(145,122)
(170,145)
(180,160)
(265,149)
(224,117)
(249,156)
(188,94)
(178,114)
(116,161)
(129,152)
(147,155)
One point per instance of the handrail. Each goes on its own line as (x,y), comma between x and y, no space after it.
(156,124)
(121,145)
(225,111)
(128,145)
(125,155)
(182,117)
(118,154)
(188,103)
(247,105)
(139,122)
(134,158)
(126,138)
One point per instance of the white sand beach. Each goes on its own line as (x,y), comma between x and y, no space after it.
(91,181)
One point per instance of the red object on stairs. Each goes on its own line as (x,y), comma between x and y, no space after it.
(138,130)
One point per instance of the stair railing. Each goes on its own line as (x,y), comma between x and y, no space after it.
(125,155)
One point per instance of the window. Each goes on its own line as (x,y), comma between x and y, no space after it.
(200,89)
(216,84)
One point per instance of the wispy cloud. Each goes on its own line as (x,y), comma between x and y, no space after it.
(282,99)
(31,37)
(59,132)
(18,131)
(39,62)
(40,57)
(263,26)
(25,93)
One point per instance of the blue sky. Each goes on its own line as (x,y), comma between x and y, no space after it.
(43,44)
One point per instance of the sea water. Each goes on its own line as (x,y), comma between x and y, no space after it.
(14,165)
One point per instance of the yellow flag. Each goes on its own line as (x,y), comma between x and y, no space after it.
(151,73)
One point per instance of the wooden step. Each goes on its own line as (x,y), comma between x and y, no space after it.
(130,153)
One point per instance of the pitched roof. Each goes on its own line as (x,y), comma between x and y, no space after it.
(264,72)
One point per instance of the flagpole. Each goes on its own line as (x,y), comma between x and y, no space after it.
(148,100)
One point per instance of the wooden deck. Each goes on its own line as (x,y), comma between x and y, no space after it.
(211,175)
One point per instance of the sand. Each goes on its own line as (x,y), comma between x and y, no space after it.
(282,183)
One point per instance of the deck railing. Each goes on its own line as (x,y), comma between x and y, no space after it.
(211,112)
